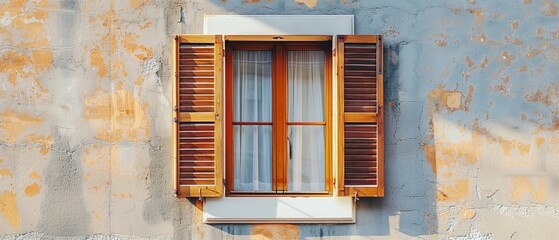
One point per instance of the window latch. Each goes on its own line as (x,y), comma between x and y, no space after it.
(290,148)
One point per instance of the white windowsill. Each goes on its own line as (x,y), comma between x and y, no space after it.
(278,24)
(279,210)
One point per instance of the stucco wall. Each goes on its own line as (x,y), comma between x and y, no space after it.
(472,119)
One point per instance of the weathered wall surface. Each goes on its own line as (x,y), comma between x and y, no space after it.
(472,112)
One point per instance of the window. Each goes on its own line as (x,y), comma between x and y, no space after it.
(276,137)
(277,117)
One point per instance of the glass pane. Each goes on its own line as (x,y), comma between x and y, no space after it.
(252,86)
(306,159)
(305,75)
(253,158)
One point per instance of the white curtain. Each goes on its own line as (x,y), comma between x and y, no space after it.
(252,83)
(306,157)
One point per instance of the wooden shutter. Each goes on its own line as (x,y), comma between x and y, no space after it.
(197,114)
(361,134)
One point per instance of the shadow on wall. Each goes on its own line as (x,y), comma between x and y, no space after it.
(409,203)
(63,210)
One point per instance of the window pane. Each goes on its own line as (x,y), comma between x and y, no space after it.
(253,158)
(252,83)
(306,159)
(305,75)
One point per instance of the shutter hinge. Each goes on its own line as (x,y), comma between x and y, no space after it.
(175,120)
(176,192)
(225,185)
(334,182)
(175,108)
(176,37)
(380,71)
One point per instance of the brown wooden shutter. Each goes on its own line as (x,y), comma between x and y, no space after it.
(361,131)
(197,113)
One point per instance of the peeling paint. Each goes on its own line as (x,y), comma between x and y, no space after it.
(503,87)
(32,190)
(469,214)
(141,52)
(16,65)
(522,185)
(275,231)
(485,62)
(465,152)
(550,8)
(514,25)
(441,42)
(549,98)
(8,208)
(457,191)
(118,117)
(137,3)
(98,61)
(35,175)
(470,62)
(431,157)
(507,58)
(308,3)
(13,124)
(533,52)
(454,99)
(479,16)
(5,173)
(540,141)
(45,141)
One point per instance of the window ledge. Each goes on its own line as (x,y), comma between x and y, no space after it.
(279,210)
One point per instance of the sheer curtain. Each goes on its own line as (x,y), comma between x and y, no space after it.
(306,157)
(252,84)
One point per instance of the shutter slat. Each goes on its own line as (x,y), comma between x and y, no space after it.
(195,163)
(197,97)
(192,60)
(354,96)
(196,79)
(361,135)
(197,87)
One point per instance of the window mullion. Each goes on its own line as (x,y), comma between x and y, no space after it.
(281,117)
